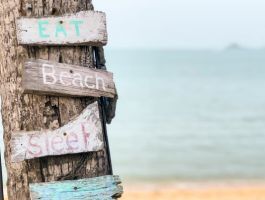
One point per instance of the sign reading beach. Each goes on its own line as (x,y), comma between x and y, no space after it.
(82,28)
(46,77)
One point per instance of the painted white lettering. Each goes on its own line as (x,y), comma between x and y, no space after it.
(65,75)
(92,86)
(77,81)
(48,77)
(98,80)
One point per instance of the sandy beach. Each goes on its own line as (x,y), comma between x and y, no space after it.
(195,192)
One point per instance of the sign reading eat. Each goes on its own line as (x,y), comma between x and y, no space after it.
(86,27)
(84,134)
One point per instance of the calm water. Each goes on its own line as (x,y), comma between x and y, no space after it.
(189,115)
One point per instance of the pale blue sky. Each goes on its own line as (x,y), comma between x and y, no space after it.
(189,24)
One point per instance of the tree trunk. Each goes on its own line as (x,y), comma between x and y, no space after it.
(32,112)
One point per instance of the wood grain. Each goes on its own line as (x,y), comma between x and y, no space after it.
(52,78)
(84,134)
(100,188)
(33,112)
(82,28)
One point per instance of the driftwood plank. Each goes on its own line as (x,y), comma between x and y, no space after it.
(84,134)
(100,188)
(46,77)
(82,28)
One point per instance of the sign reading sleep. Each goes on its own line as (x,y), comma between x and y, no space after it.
(83,28)
(83,134)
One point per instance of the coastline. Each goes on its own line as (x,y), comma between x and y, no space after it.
(231,190)
(196,191)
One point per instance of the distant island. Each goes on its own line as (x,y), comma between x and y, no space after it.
(234,46)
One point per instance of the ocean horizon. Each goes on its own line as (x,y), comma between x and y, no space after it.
(188,115)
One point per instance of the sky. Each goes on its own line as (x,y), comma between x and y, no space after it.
(184,24)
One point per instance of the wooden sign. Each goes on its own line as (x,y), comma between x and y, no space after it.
(84,134)
(82,28)
(100,188)
(46,77)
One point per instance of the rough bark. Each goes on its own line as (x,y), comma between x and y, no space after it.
(33,112)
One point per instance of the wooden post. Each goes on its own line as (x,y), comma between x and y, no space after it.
(29,112)
(1,179)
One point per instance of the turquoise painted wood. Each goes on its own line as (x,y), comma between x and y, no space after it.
(99,188)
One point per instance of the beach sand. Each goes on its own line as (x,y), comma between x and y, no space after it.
(195,192)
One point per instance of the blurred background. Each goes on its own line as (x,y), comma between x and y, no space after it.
(191,110)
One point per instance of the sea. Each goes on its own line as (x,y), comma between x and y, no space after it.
(188,116)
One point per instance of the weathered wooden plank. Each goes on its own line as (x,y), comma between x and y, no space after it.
(82,28)
(46,77)
(100,188)
(84,134)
